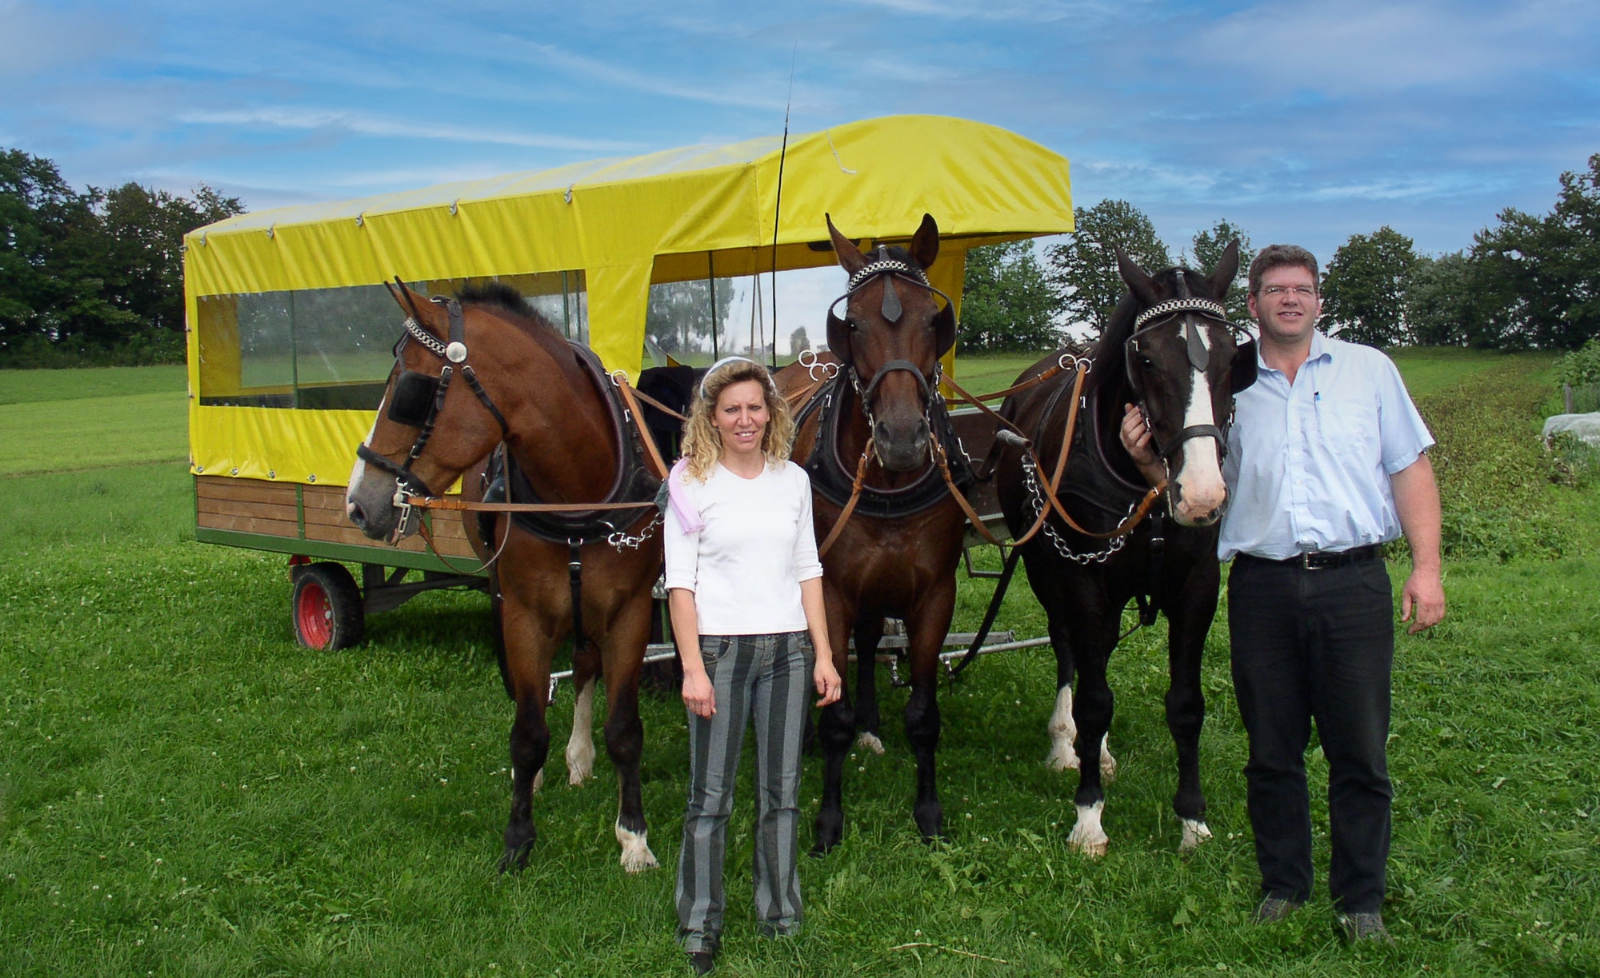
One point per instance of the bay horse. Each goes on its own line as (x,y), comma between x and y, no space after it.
(879,422)
(575,574)
(1168,349)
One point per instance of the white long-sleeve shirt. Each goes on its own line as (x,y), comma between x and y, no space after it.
(746,565)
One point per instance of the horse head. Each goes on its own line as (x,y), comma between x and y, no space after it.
(435,419)
(891,338)
(1183,362)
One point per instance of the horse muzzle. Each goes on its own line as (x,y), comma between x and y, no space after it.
(901,447)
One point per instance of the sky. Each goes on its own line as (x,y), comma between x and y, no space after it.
(1298,122)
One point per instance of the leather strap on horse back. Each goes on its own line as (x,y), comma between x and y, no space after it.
(1006,571)
(658,468)
(850,506)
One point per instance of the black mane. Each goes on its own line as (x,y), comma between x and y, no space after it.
(507,299)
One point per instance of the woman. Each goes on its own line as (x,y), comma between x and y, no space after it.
(744,590)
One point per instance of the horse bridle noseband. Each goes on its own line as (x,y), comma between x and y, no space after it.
(889,268)
(417,399)
(1158,316)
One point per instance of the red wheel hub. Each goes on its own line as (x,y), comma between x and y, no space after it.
(315,614)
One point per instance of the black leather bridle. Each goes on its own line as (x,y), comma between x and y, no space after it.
(890,268)
(1193,313)
(417,398)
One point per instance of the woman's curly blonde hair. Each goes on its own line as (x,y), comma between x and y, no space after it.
(702,446)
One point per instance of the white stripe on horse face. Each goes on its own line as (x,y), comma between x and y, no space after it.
(359,471)
(1203,491)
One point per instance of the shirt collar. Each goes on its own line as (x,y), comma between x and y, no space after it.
(1321,349)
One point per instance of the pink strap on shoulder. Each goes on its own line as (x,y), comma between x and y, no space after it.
(688,516)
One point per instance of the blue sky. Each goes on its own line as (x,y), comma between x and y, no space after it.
(1298,122)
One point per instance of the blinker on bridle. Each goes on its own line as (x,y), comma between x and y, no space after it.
(1199,358)
(417,399)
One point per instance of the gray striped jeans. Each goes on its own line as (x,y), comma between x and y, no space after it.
(768,676)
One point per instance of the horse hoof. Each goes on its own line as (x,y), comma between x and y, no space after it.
(1063,759)
(830,829)
(636,854)
(515,858)
(930,824)
(1195,832)
(870,742)
(1087,835)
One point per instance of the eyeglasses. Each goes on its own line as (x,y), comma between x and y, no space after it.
(1302,291)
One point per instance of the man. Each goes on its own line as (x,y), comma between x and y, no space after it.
(1326,462)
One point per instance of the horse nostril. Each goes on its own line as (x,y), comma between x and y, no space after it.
(357,516)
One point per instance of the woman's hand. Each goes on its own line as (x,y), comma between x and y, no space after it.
(827,679)
(698,693)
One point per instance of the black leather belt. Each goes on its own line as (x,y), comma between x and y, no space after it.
(1324,559)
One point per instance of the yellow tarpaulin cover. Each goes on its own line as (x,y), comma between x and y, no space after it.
(626,223)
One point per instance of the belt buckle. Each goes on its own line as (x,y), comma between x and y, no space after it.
(1308,562)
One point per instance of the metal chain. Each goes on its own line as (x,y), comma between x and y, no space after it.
(1036,498)
(621,539)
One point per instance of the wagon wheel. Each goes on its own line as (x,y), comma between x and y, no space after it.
(326,607)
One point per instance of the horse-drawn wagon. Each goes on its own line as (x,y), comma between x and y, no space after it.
(292,332)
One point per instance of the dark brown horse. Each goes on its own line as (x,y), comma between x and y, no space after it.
(1169,349)
(517,380)
(896,555)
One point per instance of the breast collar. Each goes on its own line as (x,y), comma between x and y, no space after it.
(831,475)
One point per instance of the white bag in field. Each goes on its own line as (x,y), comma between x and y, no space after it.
(1586,427)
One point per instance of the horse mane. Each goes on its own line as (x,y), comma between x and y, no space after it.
(507,299)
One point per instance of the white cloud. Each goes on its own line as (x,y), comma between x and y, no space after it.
(368,125)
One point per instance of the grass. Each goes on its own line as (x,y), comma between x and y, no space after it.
(28,386)
(126,429)
(184,790)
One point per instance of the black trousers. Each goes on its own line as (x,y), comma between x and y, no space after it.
(1315,644)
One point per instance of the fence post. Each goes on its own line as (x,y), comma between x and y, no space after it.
(1566,395)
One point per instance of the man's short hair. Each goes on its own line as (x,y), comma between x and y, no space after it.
(1278,256)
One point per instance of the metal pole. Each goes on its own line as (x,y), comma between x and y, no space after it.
(711,280)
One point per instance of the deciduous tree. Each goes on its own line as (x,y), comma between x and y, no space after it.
(1208,246)
(1363,291)
(1084,269)
(1006,302)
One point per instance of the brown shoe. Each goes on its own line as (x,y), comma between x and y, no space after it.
(1363,926)
(1275,908)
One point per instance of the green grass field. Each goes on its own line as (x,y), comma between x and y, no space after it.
(186,791)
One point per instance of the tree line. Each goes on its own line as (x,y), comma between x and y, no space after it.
(93,277)
(1529,281)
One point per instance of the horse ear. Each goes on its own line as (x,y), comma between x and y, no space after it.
(430,315)
(1226,271)
(944,329)
(850,257)
(1141,285)
(838,337)
(925,243)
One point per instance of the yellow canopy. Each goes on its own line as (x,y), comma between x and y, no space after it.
(625,223)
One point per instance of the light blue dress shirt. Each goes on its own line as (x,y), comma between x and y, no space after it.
(1308,464)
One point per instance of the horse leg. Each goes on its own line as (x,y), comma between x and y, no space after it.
(836,729)
(624,657)
(1092,712)
(528,656)
(1187,623)
(1063,731)
(580,745)
(869,631)
(925,632)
